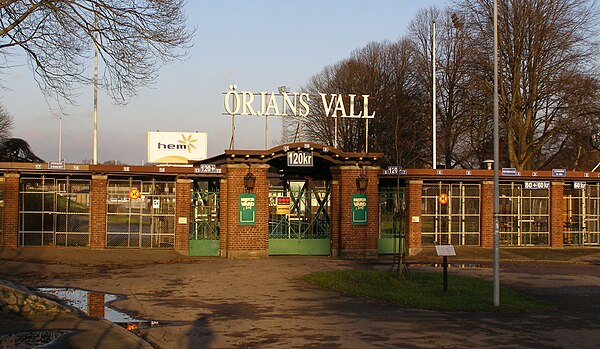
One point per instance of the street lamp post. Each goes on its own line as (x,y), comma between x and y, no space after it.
(60,138)
(496,272)
(434,97)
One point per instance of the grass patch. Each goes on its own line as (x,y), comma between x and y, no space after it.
(425,291)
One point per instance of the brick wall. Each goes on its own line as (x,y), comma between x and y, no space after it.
(355,240)
(334,205)
(246,241)
(556,214)
(11,210)
(223,217)
(414,194)
(98,209)
(486,214)
(182,210)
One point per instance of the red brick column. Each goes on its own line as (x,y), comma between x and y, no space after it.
(246,241)
(357,240)
(98,212)
(96,304)
(10,225)
(556,214)
(335,210)
(182,215)
(223,217)
(414,196)
(486,215)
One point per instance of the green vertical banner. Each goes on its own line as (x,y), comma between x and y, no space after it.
(247,209)
(359,209)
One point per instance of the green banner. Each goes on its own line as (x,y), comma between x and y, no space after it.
(247,209)
(359,209)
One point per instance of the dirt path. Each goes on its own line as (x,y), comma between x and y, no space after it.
(219,303)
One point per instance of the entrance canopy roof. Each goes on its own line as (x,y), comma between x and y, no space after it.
(323,156)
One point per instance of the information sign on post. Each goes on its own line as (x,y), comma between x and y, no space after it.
(445,251)
(359,209)
(247,209)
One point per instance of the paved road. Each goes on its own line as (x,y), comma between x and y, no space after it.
(220,303)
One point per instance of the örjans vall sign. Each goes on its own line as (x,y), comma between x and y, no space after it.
(296,104)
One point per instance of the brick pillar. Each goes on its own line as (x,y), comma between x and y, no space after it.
(486,215)
(98,212)
(357,240)
(246,241)
(96,304)
(10,224)
(556,214)
(414,196)
(335,211)
(182,215)
(223,217)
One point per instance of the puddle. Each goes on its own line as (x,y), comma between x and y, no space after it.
(97,305)
(450,265)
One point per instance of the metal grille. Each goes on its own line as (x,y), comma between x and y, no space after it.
(54,212)
(523,215)
(1,208)
(204,216)
(392,207)
(582,215)
(146,221)
(455,222)
(309,212)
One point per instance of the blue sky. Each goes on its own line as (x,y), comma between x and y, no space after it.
(257,45)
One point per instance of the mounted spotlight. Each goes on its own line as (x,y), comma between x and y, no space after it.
(362,182)
(249,181)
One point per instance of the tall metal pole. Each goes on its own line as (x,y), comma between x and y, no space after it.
(335,132)
(434,100)
(367,135)
(266,131)
(496,167)
(60,138)
(232,141)
(95,156)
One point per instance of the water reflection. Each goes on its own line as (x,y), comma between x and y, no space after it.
(94,304)
(97,305)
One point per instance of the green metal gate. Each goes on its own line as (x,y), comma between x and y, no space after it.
(204,227)
(306,229)
(392,220)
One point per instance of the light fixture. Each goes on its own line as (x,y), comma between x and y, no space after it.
(361,182)
(249,181)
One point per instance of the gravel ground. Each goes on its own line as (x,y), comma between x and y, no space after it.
(220,303)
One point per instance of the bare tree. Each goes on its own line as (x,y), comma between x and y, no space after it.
(384,71)
(457,100)
(548,84)
(6,123)
(133,39)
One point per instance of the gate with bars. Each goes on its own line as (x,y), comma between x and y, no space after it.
(392,220)
(306,229)
(204,220)
(54,212)
(143,220)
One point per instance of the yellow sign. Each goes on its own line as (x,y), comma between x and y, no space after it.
(443,199)
(283,205)
(134,194)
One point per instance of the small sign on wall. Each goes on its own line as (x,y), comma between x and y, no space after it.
(247,209)
(283,205)
(359,209)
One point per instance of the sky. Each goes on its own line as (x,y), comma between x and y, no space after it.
(257,45)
